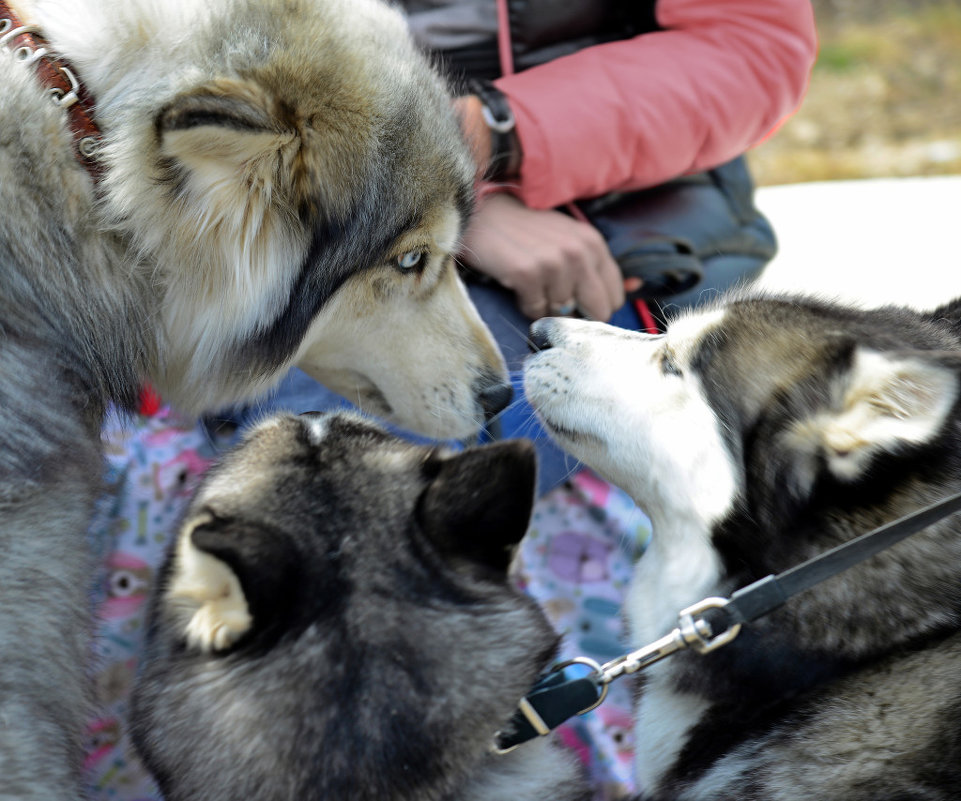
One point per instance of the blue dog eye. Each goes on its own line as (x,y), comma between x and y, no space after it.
(410,259)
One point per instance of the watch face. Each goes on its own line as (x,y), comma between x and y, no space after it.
(494,105)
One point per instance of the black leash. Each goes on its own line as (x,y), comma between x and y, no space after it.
(567,691)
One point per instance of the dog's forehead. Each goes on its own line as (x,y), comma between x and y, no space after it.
(686,335)
(757,347)
(321,432)
(347,437)
(774,334)
(759,330)
(330,440)
(286,451)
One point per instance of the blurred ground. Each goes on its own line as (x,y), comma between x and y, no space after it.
(870,242)
(884,99)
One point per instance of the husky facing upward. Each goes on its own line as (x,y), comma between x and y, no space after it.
(335,620)
(757,434)
(282,182)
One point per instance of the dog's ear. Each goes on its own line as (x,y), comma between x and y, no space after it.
(225,140)
(478,502)
(889,401)
(227,576)
(238,152)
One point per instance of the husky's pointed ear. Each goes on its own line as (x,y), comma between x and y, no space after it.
(227,575)
(478,502)
(889,401)
(225,136)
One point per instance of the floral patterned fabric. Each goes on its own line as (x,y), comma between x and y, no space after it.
(576,560)
(153,465)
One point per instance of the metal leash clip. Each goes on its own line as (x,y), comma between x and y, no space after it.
(692,631)
(557,697)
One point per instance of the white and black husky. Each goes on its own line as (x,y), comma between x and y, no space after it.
(756,434)
(335,621)
(276,183)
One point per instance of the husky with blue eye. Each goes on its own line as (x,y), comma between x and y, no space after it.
(335,621)
(271,183)
(756,434)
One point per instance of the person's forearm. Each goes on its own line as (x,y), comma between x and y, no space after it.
(638,112)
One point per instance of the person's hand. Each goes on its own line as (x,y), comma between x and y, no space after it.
(552,262)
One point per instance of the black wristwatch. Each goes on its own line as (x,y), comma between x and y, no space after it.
(505,147)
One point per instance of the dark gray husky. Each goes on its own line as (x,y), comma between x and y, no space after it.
(758,433)
(335,622)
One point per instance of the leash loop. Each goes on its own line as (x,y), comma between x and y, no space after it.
(557,697)
(597,674)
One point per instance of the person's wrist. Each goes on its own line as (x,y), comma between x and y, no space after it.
(502,145)
(475,131)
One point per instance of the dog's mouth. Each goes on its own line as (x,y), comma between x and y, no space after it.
(374,401)
(353,385)
(564,432)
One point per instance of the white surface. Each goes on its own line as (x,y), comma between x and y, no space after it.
(891,240)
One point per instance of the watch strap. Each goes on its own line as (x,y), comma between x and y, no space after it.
(499,119)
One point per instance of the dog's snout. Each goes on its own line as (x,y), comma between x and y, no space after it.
(539,335)
(494,397)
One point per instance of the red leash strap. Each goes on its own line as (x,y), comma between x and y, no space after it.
(648,323)
(647,319)
(26,44)
(504,49)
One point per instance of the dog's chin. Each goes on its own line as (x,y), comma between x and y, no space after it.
(580,442)
(355,387)
(372,401)
(458,422)
(594,449)
(461,420)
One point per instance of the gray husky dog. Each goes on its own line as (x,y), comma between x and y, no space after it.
(335,620)
(277,182)
(758,433)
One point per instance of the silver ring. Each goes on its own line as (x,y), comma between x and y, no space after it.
(564,309)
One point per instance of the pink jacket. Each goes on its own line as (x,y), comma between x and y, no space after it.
(636,113)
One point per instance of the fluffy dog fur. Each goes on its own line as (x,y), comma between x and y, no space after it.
(757,434)
(335,621)
(283,184)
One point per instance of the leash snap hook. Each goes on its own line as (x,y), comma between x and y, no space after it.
(692,631)
(698,633)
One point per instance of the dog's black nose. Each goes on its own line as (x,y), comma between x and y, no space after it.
(539,335)
(494,398)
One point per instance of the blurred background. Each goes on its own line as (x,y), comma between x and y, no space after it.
(863,184)
(884,99)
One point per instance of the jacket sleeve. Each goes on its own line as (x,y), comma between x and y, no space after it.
(635,113)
